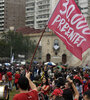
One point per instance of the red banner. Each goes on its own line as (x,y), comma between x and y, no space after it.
(71,27)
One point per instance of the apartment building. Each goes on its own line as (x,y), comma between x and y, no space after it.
(30,13)
(88,18)
(89,7)
(83,6)
(12,14)
(38,12)
(1,15)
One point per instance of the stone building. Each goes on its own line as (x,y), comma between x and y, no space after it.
(51,48)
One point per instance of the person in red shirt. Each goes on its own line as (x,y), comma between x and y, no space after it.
(86,83)
(0,77)
(23,84)
(9,76)
(45,88)
(17,76)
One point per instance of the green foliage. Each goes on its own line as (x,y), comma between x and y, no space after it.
(13,42)
(4,49)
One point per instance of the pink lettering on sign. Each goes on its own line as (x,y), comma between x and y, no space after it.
(70,26)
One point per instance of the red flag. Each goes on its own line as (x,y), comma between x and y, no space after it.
(71,27)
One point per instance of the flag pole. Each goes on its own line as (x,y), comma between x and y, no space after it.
(37,47)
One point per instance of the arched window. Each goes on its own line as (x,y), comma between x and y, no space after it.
(56,42)
(64,58)
(48,57)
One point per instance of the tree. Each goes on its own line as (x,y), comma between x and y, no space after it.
(4,48)
(17,44)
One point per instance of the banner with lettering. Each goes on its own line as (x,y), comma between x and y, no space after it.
(70,26)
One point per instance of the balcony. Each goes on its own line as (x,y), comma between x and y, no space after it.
(43,4)
(42,19)
(30,15)
(1,25)
(43,9)
(1,5)
(32,1)
(2,2)
(43,13)
(1,21)
(29,20)
(41,24)
(1,13)
(1,16)
(2,9)
(28,7)
(31,25)
(29,11)
(1,29)
(41,27)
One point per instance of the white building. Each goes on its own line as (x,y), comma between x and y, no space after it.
(83,5)
(38,12)
(30,12)
(89,7)
(1,15)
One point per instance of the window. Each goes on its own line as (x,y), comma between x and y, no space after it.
(56,42)
(64,58)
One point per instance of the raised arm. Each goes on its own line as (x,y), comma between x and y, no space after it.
(32,85)
(76,97)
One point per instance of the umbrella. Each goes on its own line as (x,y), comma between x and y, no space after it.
(50,63)
(35,62)
(7,64)
(0,64)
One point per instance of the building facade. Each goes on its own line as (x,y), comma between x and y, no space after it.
(51,48)
(83,6)
(38,12)
(12,14)
(88,18)
(2,15)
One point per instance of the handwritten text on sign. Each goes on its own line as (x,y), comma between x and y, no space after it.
(70,25)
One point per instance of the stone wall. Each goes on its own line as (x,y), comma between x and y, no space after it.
(47,44)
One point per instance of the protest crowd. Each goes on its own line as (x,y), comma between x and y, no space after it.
(54,82)
(47,82)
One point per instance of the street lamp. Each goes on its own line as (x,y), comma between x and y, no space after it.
(11,28)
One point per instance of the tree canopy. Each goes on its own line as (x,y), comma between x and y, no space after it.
(13,42)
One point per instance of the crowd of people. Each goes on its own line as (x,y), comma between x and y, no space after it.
(47,82)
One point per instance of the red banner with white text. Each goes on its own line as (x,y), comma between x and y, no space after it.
(70,26)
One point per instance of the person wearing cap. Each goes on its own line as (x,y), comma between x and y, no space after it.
(58,91)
